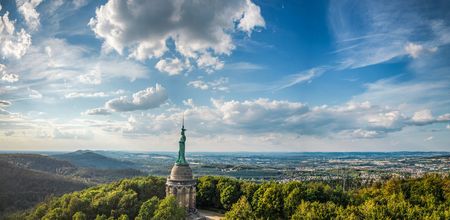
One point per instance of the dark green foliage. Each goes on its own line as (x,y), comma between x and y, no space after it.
(148,208)
(241,210)
(28,179)
(56,213)
(420,198)
(121,199)
(79,216)
(98,176)
(129,203)
(168,209)
(228,195)
(218,192)
(268,201)
(142,199)
(101,217)
(21,188)
(207,193)
(123,217)
(248,189)
(229,192)
(292,200)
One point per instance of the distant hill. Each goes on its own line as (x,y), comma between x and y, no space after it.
(27,179)
(85,158)
(22,188)
(39,162)
(97,176)
(440,157)
(84,173)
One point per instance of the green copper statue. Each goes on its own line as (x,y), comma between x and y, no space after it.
(181,158)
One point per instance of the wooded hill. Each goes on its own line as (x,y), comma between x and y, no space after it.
(22,188)
(27,179)
(90,159)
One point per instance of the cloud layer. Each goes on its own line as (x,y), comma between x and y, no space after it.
(263,116)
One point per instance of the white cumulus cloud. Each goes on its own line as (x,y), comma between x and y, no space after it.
(172,66)
(218,84)
(361,133)
(209,63)
(7,77)
(97,111)
(27,8)
(198,84)
(423,116)
(94,77)
(413,49)
(199,31)
(148,98)
(13,44)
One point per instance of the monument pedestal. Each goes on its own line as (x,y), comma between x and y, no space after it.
(181,184)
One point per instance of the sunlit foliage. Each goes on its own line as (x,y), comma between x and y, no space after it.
(144,198)
(139,198)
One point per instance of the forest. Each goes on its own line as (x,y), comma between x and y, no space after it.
(143,198)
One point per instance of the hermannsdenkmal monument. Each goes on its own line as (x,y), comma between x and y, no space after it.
(181,182)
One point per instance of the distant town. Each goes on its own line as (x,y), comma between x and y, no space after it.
(354,167)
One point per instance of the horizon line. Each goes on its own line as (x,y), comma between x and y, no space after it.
(138,151)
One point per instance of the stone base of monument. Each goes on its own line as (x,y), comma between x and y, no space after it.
(181,184)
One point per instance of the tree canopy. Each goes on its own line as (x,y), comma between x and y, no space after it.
(144,198)
(427,197)
(140,198)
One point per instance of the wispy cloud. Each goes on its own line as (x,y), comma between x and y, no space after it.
(41,63)
(74,95)
(220,84)
(243,66)
(375,32)
(420,94)
(302,77)
(306,76)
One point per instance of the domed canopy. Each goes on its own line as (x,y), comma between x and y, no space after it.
(181,172)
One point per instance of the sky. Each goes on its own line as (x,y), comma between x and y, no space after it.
(248,75)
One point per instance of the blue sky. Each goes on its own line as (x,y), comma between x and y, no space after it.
(247,75)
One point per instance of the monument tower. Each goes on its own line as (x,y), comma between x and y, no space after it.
(181,183)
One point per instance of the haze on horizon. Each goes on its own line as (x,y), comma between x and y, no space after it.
(248,75)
